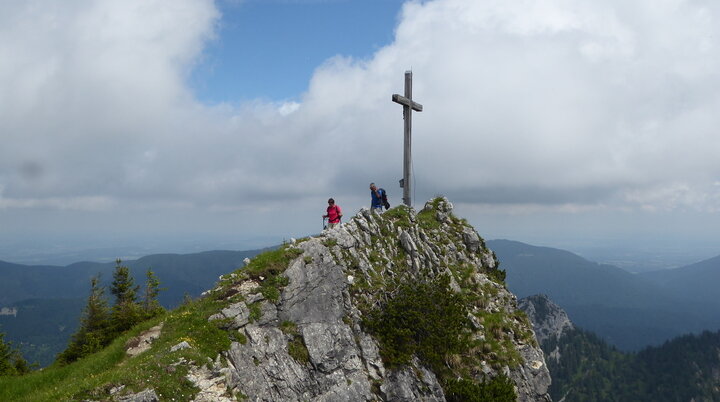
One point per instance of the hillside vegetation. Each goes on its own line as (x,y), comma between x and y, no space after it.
(683,369)
(586,368)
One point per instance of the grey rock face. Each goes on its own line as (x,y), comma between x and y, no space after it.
(532,378)
(548,319)
(310,344)
(471,239)
(147,395)
(402,385)
(180,346)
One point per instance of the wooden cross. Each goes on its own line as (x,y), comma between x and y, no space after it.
(408,106)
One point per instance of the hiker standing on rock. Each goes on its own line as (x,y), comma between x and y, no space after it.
(377,197)
(334,214)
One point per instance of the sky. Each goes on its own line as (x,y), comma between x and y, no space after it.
(199,124)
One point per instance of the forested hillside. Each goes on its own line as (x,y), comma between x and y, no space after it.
(589,369)
(586,368)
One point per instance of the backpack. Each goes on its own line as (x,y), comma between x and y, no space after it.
(383,196)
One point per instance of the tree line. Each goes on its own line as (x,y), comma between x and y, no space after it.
(682,369)
(11,361)
(100,322)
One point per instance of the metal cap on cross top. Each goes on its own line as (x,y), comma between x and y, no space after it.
(408,106)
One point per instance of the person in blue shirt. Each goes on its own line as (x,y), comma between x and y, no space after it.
(376,198)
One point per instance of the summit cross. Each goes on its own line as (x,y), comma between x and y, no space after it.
(408,106)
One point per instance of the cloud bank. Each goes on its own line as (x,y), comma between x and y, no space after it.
(558,105)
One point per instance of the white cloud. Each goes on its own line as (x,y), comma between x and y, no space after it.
(570,104)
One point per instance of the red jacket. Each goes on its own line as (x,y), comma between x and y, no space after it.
(333,213)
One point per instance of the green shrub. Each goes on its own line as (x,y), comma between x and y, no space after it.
(426,319)
(497,275)
(11,361)
(498,389)
(238,336)
(270,293)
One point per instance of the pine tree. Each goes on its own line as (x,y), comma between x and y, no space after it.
(151,306)
(126,311)
(94,332)
(6,357)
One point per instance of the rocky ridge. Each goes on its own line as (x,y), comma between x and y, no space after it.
(309,343)
(301,318)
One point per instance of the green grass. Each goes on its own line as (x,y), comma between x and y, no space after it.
(297,350)
(289,328)
(330,242)
(271,263)
(400,216)
(428,221)
(255,312)
(296,346)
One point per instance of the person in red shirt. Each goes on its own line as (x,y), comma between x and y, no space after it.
(334,214)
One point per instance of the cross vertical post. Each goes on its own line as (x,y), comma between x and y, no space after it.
(408,106)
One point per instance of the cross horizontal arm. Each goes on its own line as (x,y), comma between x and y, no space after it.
(407,102)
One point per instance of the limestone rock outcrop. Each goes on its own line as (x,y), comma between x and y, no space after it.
(549,321)
(303,336)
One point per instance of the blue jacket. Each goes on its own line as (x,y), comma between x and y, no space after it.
(377,201)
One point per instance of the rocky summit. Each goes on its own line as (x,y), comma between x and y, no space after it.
(313,329)
(398,306)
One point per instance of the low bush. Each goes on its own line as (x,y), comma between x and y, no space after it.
(498,389)
(426,319)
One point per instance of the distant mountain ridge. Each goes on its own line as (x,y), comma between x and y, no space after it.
(179,273)
(698,282)
(625,309)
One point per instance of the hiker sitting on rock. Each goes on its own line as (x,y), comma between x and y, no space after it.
(376,198)
(334,214)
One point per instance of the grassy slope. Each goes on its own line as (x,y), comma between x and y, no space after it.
(94,376)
